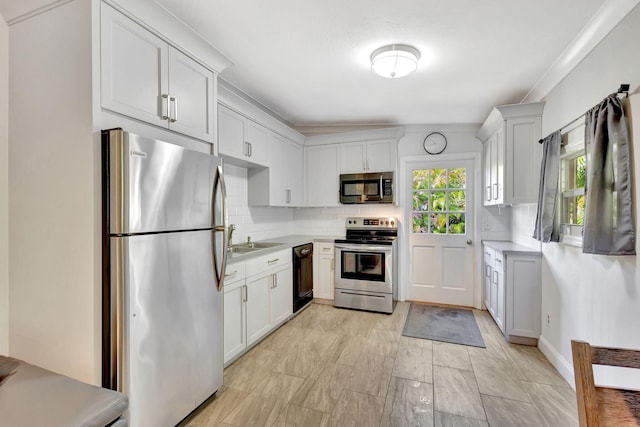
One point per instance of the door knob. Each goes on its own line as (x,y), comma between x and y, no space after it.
(469,242)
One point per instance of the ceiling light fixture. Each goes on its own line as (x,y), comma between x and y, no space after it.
(395,60)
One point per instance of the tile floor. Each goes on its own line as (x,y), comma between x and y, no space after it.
(335,367)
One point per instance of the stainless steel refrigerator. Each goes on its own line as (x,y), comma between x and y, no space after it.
(164,250)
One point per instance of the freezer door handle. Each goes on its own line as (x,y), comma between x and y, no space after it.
(219,271)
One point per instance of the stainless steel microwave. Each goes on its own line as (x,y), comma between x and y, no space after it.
(366,188)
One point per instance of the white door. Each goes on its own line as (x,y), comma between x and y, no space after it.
(235,313)
(441,231)
(281,298)
(191,90)
(134,66)
(258,317)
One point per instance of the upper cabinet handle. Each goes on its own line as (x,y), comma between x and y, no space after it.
(173,109)
(164,106)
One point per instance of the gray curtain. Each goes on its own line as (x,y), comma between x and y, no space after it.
(608,220)
(547,222)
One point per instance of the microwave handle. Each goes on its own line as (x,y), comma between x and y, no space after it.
(381,188)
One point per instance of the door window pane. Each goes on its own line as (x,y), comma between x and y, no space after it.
(439,201)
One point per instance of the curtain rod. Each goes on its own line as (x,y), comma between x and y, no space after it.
(624,88)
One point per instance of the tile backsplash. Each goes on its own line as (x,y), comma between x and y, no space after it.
(259,223)
(331,221)
(523,222)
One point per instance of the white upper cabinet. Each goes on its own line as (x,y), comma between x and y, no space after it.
(191,96)
(279,184)
(353,157)
(321,167)
(241,138)
(143,77)
(368,156)
(512,154)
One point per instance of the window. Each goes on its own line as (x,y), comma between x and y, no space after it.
(439,201)
(573,174)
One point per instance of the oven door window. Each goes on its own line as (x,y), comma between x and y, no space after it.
(370,188)
(363,266)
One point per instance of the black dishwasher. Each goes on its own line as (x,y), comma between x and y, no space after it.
(302,276)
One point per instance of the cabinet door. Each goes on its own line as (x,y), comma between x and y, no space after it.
(191,97)
(278,171)
(295,179)
(257,137)
(231,126)
(524,154)
(281,301)
(235,338)
(487,276)
(258,319)
(134,66)
(500,300)
(353,157)
(381,156)
(523,291)
(321,166)
(494,168)
(325,276)
(499,178)
(488,198)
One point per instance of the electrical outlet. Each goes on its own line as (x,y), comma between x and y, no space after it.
(548,320)
(486,226)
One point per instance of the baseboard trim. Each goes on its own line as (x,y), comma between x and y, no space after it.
(560,363)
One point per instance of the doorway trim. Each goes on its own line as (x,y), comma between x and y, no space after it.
(406,203)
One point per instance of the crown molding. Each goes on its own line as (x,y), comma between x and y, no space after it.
(606,18)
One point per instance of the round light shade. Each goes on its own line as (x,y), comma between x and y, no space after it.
(395,60)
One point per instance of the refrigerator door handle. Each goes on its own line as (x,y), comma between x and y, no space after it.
(219,272)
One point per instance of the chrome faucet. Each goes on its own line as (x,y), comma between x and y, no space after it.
(232,228)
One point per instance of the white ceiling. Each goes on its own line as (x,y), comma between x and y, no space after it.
(308,61)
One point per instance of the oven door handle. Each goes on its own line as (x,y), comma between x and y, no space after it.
(363,247)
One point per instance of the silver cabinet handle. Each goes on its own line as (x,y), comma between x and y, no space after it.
(173,109)
(246,148)
(288,193)
(487,271)
(495,277)
(495,188)
(231,274)
(245,293)
(326,249)
(164,106)
(271,261)
(250,149)
(364,164)
(488,193)
(275,280)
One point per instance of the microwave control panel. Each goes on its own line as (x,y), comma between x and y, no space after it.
(388,186)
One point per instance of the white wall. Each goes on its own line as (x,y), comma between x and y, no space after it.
(4,187)
(592,297)
(54,204)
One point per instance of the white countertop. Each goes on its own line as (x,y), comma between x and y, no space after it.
(508,247)
(286,242)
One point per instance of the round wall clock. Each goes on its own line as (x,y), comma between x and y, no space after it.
(435,143)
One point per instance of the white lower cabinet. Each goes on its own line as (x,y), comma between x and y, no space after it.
(512,290)
(323,270)
(281,296)
(257,299)
(235,319)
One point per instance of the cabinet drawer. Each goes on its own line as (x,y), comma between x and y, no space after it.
(489,255)
(498,264)
(267,262)
(323,248)
(234,272)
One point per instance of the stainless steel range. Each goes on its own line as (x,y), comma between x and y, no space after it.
(366,274)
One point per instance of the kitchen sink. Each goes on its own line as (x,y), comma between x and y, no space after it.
(244,248)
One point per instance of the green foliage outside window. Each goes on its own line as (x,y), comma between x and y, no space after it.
(439,201)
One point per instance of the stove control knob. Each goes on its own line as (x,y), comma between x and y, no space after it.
(392,222)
